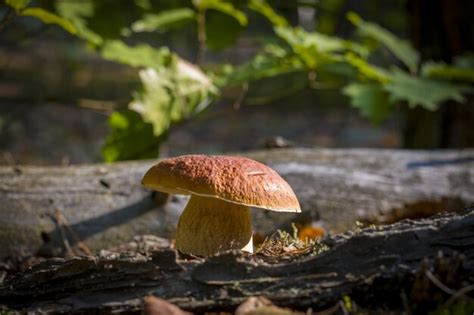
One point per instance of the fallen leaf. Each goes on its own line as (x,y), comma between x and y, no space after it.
(259,305)
(157,306)
(311,233)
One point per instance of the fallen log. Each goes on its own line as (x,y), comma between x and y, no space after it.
(412,266)
(105,205)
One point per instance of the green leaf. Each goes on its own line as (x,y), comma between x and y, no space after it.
(142,55)
(49,18)
(370,99)
(262,7)
(323,43)
(129,138)
(262,66)
(163,20)
(171,94)
(401,49)
(111,19)
(18,5)
(78,13)
(316,48)
(366,69)
(441,70)
(328,15)
(216,39)
(224,7)
(425,92)
(144,4)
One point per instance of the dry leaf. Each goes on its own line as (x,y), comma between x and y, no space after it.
(157,306)
(259,305)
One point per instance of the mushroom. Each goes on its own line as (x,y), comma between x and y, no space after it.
(222,189)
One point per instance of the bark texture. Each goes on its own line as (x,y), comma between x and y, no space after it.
(106,205)
(407,266)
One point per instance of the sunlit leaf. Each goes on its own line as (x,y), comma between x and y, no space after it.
(262,7)
(129,138)
(144,4)
(142,55)
(171,94)
(370,99)
(366,69)
(224,7)
(316,48)
(263,66)
(78,13)
(401,49)
(441,70)
(324,43)
(337,71)
(425,92)
(49,18)
(17,4)
(163,20)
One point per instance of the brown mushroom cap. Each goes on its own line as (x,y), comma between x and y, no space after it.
(234,179)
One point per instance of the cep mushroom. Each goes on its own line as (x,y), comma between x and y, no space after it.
(222,189)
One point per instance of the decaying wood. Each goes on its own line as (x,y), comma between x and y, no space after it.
(105,205)
(402,266)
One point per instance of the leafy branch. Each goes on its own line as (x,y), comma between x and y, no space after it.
(20,9)
(173,89)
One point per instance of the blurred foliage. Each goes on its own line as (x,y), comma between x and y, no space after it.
(418,91)
(460,70)
(461,306)
(142,55)
(47,17)
(370,99)
(171,94)
(130,137)
(402,49)
(377,70)
(164,21)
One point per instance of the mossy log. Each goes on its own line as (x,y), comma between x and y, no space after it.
(106,205)
(411,266)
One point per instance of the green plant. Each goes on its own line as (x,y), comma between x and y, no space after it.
(174,89)
(21,8)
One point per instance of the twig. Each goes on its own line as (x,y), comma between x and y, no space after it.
(343,307)
(312,79)
(63,222)
(439,284)
(243,92)
(58,215)
(458,294)
(105,107)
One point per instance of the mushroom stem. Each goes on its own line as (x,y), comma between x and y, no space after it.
(211,225)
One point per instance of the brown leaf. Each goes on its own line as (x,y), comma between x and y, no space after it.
(259,305)
(311,233)
(157,306)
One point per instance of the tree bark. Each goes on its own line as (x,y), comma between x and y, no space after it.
(105,205)
(411,266)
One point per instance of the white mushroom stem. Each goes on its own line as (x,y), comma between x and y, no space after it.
(211,225)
